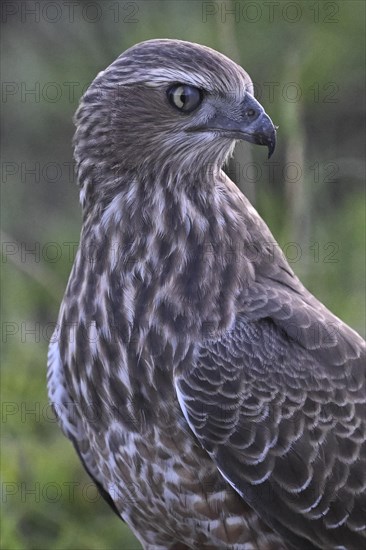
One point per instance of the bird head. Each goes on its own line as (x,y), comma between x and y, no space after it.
(166,107)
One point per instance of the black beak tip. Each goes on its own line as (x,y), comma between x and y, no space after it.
(271,143)
(271,147)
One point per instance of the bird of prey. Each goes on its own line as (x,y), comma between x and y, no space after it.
(215,402)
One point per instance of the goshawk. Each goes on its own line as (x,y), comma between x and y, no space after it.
(215,402)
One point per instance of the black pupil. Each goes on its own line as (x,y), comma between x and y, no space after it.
(184,97)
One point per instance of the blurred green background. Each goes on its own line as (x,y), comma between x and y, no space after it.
(307,62)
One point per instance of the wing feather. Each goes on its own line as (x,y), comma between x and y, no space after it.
(279,404)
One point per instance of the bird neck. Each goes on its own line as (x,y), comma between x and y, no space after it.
(171,257)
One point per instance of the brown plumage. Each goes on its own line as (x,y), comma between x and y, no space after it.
(213,399)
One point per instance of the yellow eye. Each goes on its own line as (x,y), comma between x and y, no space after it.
(185,98)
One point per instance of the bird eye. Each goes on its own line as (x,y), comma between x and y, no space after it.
(184,98)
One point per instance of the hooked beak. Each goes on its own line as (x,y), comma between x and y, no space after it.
(252,124)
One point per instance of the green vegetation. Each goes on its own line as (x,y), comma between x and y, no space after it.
(314,66)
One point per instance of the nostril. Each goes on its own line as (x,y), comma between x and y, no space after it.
(251,113)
